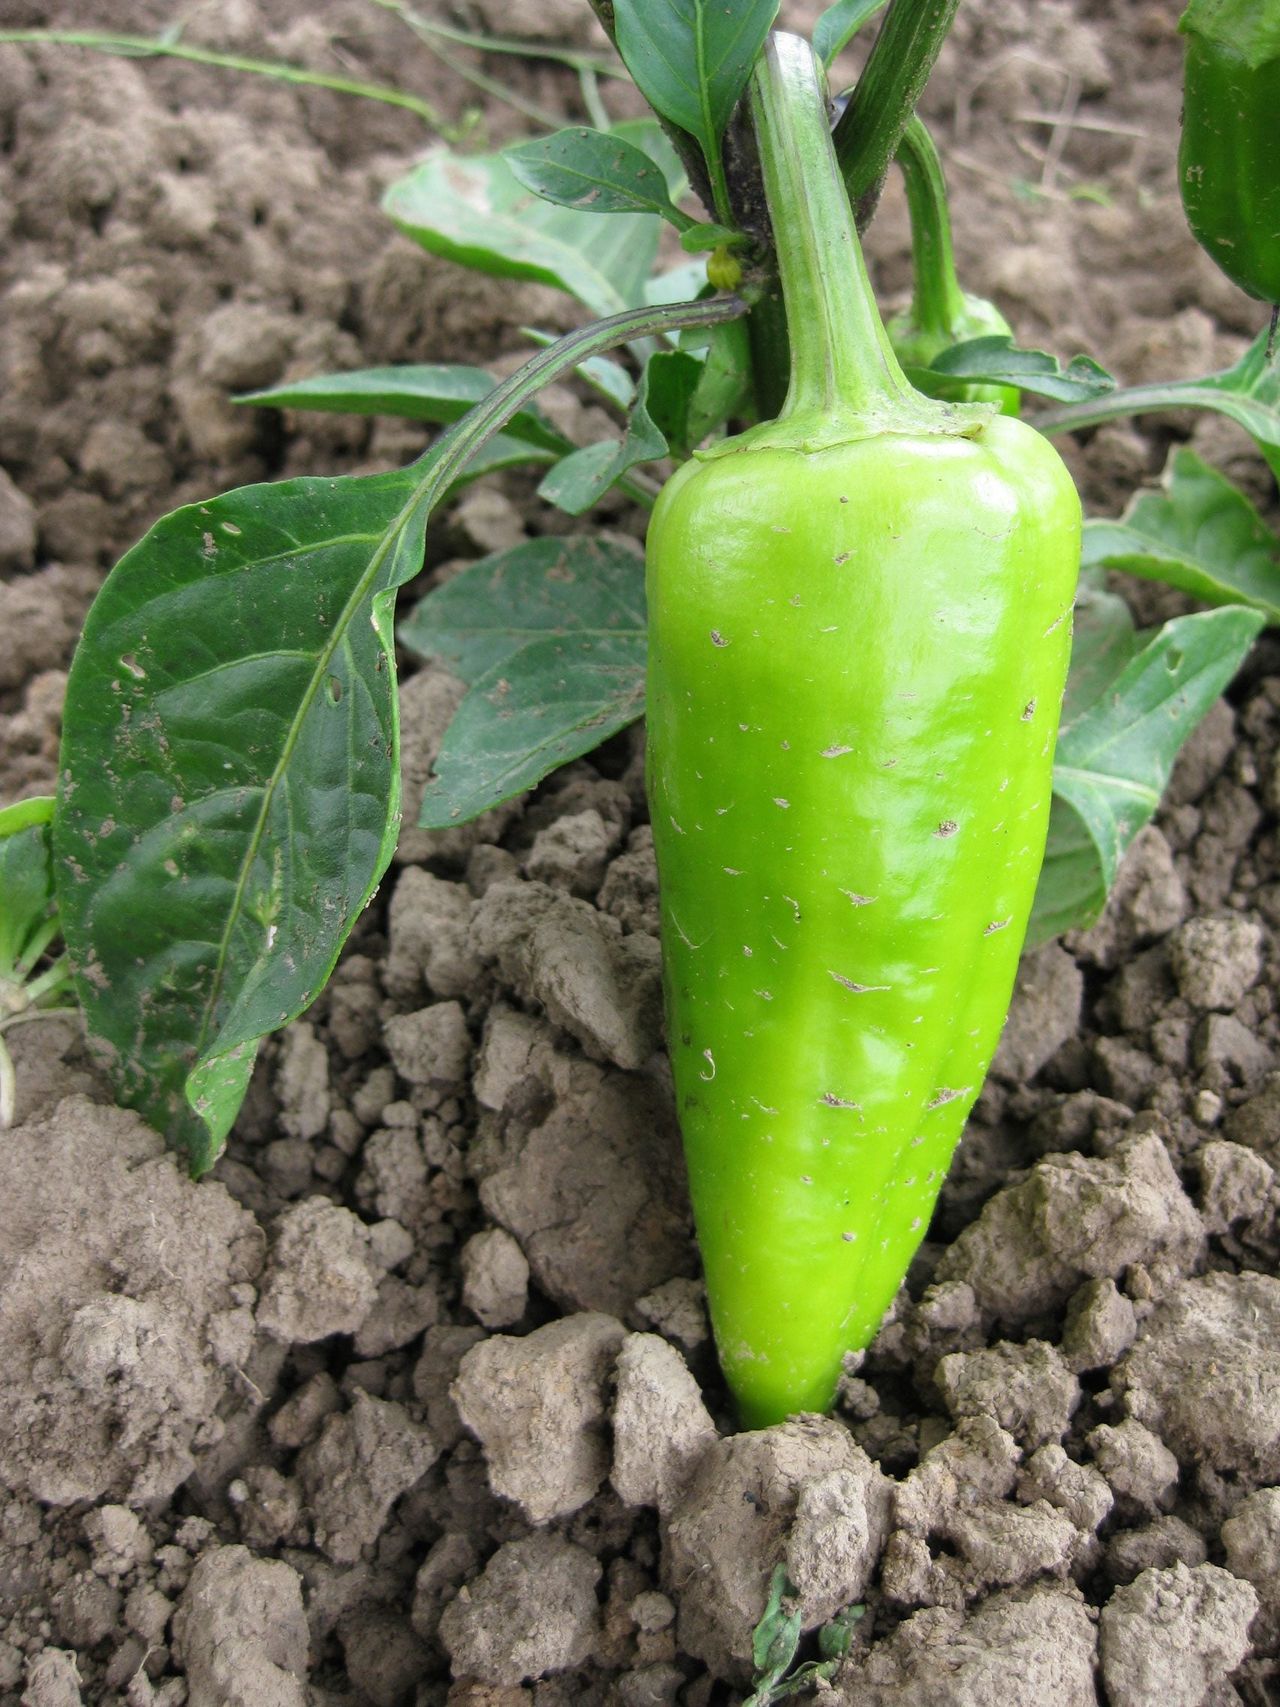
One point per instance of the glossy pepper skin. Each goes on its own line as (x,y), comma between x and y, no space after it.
(941,313)
(860,620)
(1229,157)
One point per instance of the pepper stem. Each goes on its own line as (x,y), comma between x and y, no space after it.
(937,301)
(842,364)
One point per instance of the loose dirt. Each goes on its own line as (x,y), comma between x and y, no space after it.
(414,1401)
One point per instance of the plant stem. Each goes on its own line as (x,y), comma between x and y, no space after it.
(1128,400)
(937,302)
(842,365)
(871,126)
(148,47)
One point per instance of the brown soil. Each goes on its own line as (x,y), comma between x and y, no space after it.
(414,1402)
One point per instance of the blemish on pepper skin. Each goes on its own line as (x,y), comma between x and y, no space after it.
(858,900)
(831,1100)
(710,1059)
(996,925)
(947,827)
(747,951)
(764,995)
(858,989)
(842,557)
(1028,711)
(835,752)
(676,827)
(848,1237)
(729,871)
(806,1179)
(785,804)
(794,905)
(718,639)
(946,1095)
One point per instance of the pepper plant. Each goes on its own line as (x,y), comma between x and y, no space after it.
(859,606)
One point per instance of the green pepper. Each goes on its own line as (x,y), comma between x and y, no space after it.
(1229,158)
(860,617)
(941,313)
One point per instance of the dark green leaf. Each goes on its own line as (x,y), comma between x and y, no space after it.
(476,212)
(229,784)
(648,135)
(437,392)
(26,882)
(588,586)
(839,24)
(996,360)
(593,172)
(1115,751)
(232,796)
(724,388)
(691,59)
(550,702)
(1203,536)
(671,379)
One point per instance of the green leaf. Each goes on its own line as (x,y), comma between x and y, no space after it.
(594,172)
(583,586)
(671,380)
(691,59)
(838,25)
(26,884)
(996,360)
(1245,29)
(1116,750)
(229,778)
(581,479)
(724,388)
(836,1638)
(1202,536)
(764,1637)
(647,134)
(1071,892)
(230,796)
(439,392)
(476,212)
(698,238)
(550,702)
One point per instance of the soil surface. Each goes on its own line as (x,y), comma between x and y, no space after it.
(414,1401)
